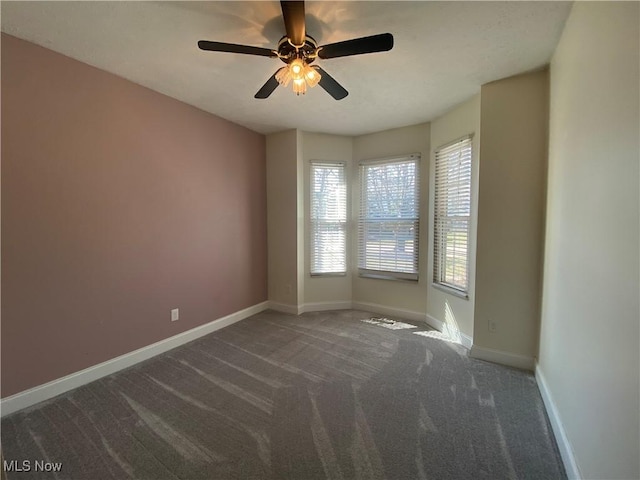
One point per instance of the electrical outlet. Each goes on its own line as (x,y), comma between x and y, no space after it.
(289,289)
(493,326)
(175,314)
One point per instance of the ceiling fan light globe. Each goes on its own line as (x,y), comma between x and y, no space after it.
(283,76)
(312,76)
(297,69)
(299,86)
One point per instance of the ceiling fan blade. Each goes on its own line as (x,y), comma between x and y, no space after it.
(330,84)
(375,43)
(294,22)
(233,48)
(268,88)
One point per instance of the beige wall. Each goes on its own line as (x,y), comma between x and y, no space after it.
(301,250)
(411,296)
(452,310)
(282,216)
(288,157)
(590,314)
(511,186)
(331,148)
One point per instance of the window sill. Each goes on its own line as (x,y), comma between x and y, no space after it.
(400,277)
(451,291)
(320,275)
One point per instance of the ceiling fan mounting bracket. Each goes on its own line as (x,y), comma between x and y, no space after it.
(287,52)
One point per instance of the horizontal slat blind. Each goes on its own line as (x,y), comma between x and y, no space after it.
(452,214)
(389,218)
(328,218)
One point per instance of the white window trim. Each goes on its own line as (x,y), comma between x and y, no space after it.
(344,166)
(385,274)
(440,285)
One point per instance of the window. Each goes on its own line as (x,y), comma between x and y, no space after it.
(452,214)
(328,219)
(389,220)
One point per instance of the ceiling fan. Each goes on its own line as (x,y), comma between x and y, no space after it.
(298,50)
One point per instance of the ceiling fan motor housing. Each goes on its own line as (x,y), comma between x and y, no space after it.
(287,52)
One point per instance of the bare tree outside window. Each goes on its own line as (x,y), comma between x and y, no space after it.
(328,218)
(389,219)
(452,216)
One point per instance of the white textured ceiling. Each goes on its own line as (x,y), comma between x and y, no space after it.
(443,53)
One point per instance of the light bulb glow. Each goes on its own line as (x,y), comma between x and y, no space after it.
(299,86)
(311,75)
(283,76)
(297,69)
(302,75)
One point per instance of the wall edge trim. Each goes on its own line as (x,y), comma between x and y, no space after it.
(56,387)
(285,308)
(325,306)
(505,358)
(385,310)
(566,450)
(466,340)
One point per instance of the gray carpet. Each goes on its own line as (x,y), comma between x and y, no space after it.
(323,395)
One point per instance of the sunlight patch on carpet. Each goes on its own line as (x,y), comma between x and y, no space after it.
(439,335)
(388,323)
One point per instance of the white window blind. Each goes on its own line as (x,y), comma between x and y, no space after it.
(452,214)
(328,218)
(389,219)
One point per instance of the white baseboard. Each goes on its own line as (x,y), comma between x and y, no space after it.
(504,358)
(566,451)
(285,308)
(435,323)
(465,340)
(325,306)
(392,311)
(61,385)
(439,325)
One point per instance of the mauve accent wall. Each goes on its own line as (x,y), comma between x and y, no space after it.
(118,204)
